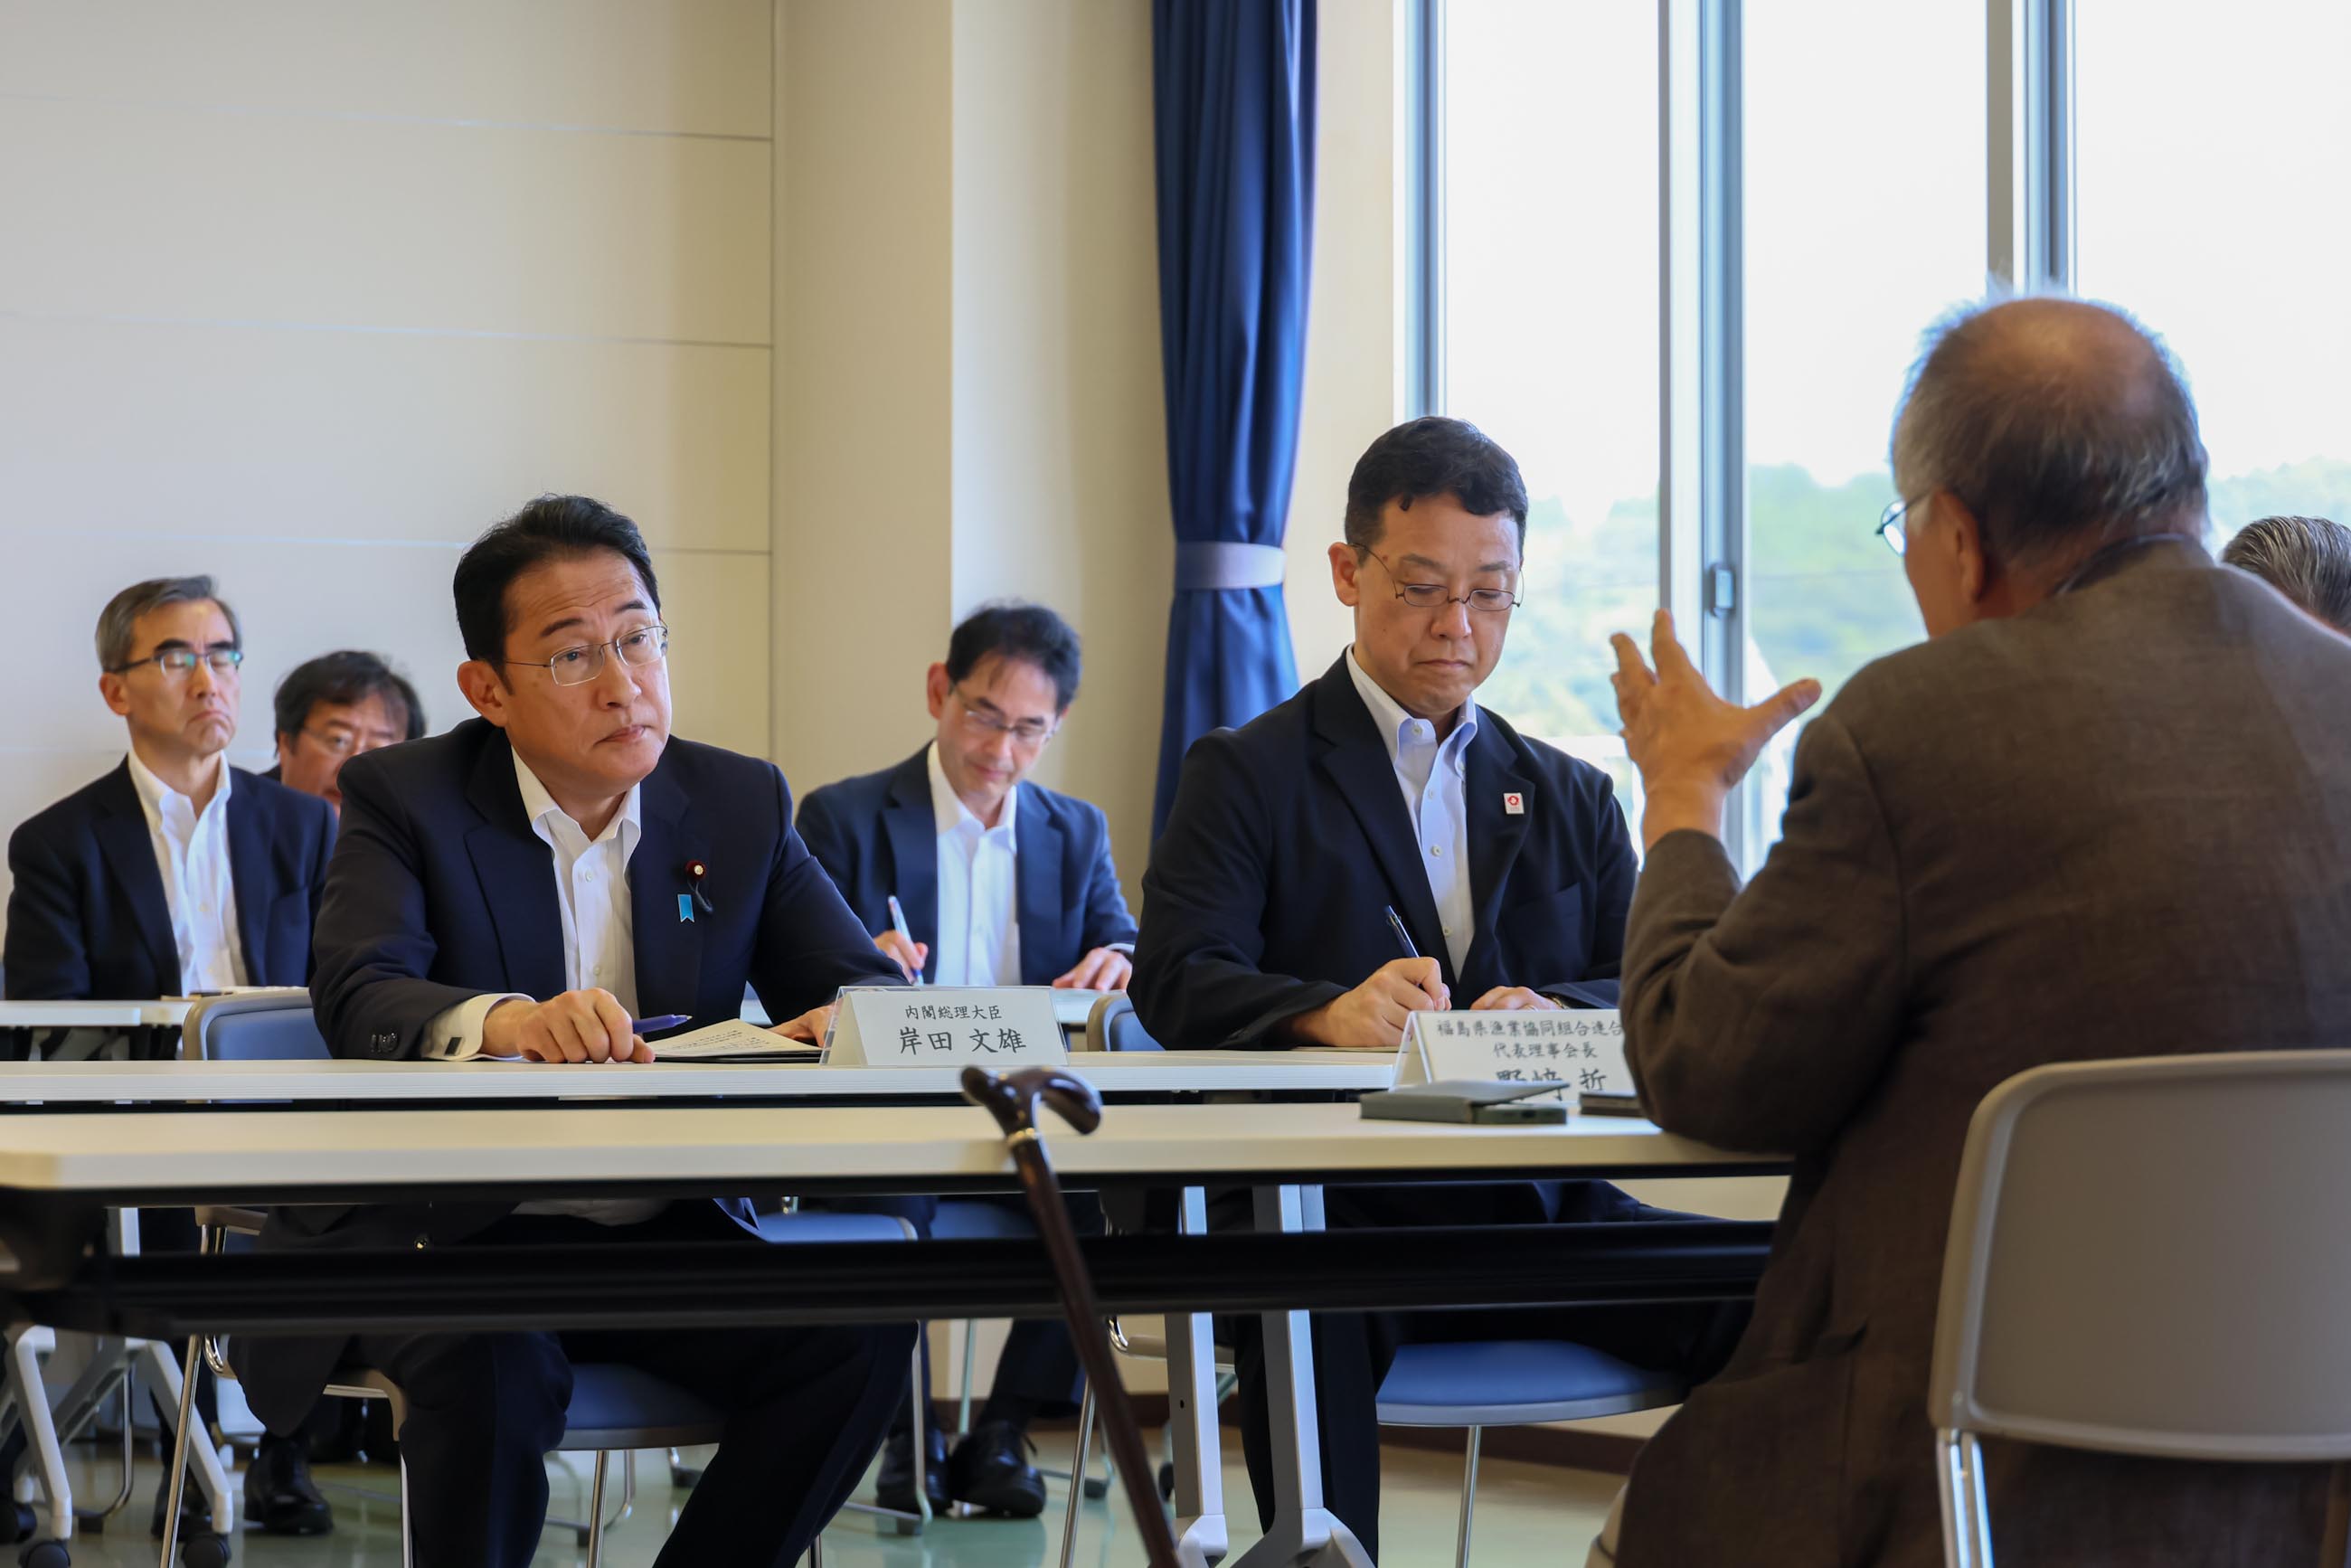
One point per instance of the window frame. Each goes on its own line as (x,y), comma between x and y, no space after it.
(1702,524)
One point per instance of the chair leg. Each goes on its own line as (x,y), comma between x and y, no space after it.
(1469,1500)
(815,1553)
(971,1350)
(1078,1464)
(1967,1526)
(596,1510)
(920,1416)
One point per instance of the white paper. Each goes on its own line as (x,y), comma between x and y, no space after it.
(1582,1051)
(731,1040)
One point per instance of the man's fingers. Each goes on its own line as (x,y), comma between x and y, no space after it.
(1666,649)
(644,1052)
(1782,706)
(1631,668)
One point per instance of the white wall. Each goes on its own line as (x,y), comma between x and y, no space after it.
(307,295)
(969,378)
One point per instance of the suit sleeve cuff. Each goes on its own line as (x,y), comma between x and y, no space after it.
(455,1034)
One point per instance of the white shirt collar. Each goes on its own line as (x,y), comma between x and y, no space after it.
(156,796)
(539,807)
(1389,717)
(950,813)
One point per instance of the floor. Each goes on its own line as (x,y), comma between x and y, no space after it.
(1526,1514)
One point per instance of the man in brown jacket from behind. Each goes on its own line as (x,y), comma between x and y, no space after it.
(2100,812)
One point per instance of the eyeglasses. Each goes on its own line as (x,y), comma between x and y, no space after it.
(178,661)
(339,742)
(983,724)
(577,667)
(1432,595)
(1892,528)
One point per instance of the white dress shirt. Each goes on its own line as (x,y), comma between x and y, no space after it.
(191,853)
(591,892)
(1431,773)
(979,907)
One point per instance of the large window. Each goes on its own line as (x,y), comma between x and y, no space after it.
(1841,174)
(1865,204)
(1549,241)
(2214,144)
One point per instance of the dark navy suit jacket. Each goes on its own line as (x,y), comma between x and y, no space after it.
(1288,837)
(878,834)
(88,916)
(439,890)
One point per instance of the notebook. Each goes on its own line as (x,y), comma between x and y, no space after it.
(732,1040)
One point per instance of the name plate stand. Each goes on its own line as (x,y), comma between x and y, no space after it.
(1579,1051)
(1000,1028)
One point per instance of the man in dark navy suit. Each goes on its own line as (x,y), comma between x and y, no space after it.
(175,873)
(1002,883)
(528,886)
(1384,785)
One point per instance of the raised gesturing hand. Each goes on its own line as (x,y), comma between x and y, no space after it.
(1691,747)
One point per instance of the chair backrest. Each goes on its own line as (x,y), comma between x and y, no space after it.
(2147,1257)
(258,1026)
(1112,1026)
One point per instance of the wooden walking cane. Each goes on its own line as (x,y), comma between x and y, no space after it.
(1012,1101)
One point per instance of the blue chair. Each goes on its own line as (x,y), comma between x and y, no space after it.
(613,1409)
(1479,1383)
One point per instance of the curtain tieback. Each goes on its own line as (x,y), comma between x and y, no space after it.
(1218,565)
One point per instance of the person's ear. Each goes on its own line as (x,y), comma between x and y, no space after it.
(935,687)
(1973,569)
(1346,567)
(285,749)
(479,680)
(117,693)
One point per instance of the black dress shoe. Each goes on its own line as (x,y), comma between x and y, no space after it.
(278,1494)
(991,1472)
(894,1486)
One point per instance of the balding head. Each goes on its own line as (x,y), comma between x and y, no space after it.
(2060,425)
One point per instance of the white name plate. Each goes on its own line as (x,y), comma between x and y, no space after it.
(998,1027)
(1579,1051)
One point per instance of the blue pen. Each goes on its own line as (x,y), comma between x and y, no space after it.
(667,1020)
(898,923)
(1403,938)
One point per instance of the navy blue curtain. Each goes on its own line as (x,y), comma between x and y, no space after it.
(1233,93)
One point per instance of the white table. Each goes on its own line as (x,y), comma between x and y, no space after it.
(1115,1074)
(93,1015)
(190,1157)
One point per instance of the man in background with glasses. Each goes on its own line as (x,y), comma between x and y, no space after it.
(530,885)
(999,881)
(333,707)
(174,873)
(1383,787)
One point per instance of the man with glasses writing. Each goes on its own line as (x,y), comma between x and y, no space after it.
(1383,787)
(530,885)
(174,873)
(999,882)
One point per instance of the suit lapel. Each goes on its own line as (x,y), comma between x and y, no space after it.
(1036,871)
(668,945)
(911,827)
(129,850)
(1357,762)
(250,883)
(516,873)
(1496,833)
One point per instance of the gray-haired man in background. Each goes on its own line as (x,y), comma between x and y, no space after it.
(2055,830)
(2308,559)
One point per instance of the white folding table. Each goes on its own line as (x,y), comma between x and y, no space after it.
(172,1156)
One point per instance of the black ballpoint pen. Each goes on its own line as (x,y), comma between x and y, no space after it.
(1403,938)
